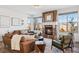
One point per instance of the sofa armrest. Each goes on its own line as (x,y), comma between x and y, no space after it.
(27,46)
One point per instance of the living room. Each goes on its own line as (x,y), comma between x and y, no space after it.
(38,27)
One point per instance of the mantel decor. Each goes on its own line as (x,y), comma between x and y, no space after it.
(49,16)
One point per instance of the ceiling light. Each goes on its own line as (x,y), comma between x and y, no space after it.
(36,6)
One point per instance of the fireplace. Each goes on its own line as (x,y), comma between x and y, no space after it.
(48,29)
(49,22)
(50,32)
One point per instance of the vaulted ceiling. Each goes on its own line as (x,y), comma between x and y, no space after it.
(34,10)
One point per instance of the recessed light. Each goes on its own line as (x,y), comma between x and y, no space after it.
(36,6)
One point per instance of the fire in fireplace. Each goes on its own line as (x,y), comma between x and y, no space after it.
(48,29)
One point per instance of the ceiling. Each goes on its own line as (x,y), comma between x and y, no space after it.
(34,10)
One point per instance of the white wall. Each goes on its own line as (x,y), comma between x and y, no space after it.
(11,13)
(76,35)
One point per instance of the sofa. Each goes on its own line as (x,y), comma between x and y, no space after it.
(26,45)
(8,36)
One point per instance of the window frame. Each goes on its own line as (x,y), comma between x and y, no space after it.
(67,20)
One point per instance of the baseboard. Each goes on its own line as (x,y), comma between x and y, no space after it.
(77,42)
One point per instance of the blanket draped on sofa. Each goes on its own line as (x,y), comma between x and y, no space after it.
(15,41)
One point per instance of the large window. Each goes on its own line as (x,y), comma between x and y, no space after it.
(38,23)
(68,22)
(39,20)
(30,23)
(34,23)
(30,20)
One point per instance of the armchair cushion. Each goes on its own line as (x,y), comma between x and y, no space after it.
(57,44)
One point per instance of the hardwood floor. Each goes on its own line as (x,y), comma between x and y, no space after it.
(54,50)
(6,50)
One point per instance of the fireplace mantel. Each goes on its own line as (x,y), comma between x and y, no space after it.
(49,23)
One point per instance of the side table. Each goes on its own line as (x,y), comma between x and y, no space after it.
(39,48)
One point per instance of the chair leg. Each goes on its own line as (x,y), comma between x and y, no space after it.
(51,47)
(72,45)
(63,51)
(71,49)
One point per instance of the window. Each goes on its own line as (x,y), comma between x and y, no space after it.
(34,23)
(4,19)
(30,20)
(38,23)
(30,23)
(39,20)
(68,22)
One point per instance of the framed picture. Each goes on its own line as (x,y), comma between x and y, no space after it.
(49,16)
(5,21)
(17,22)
